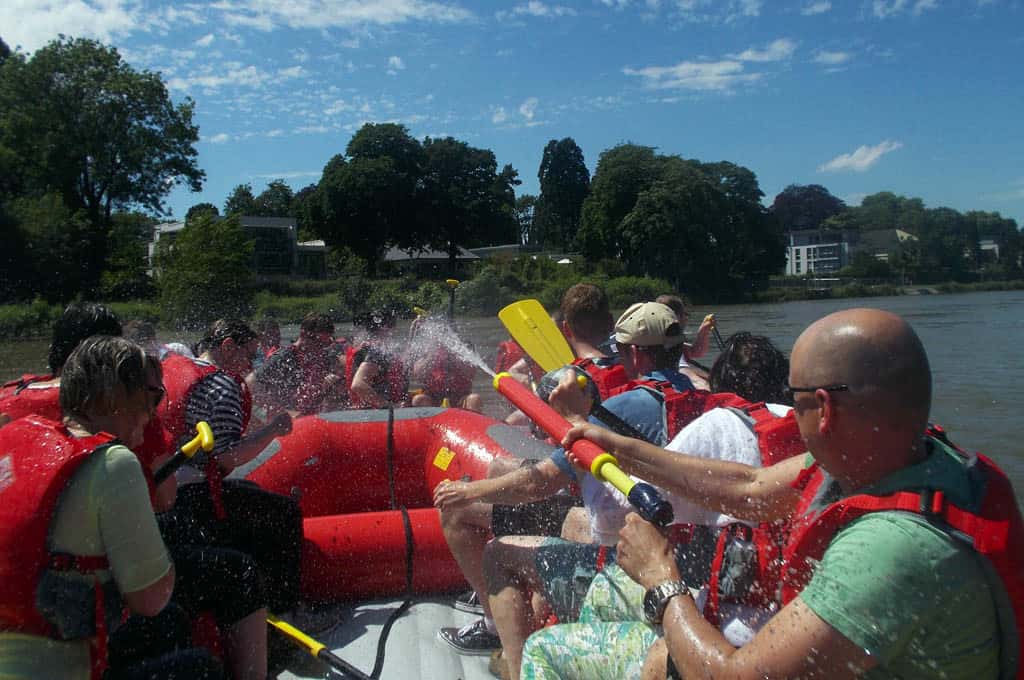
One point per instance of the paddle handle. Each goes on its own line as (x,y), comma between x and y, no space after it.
(203,440)
(317,649)
(602,464)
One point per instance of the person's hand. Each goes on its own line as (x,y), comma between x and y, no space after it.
(449,495)
(281,424)
(707,324)
(571,400)
(606,439)
(645,553)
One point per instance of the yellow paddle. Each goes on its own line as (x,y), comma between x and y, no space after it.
(316,649)
(203,440)
(529,325)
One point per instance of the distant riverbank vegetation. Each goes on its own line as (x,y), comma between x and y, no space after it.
(90,149)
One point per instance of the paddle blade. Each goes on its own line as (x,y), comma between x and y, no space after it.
(530,326)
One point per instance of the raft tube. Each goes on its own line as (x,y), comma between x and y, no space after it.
(337,466)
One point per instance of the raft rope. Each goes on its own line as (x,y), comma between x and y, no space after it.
(378,664)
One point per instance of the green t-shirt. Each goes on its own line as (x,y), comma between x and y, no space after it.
(908,593)
(105,509)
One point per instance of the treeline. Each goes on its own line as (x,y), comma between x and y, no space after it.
(945,243)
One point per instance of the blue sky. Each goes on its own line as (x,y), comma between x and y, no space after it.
(920,97)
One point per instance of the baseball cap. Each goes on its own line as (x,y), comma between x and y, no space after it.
(648,324)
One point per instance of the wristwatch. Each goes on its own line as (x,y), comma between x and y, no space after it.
(657,598)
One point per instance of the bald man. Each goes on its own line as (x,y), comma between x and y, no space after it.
(894,595)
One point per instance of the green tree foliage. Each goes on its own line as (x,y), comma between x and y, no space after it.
(201,209)
(55,238)
(126,276)
(700,226)
(307,209)
(805,206)
(866,266)
(240,201)
(205,274)
(524,211)
(465,200)
(275,200)
(564,185)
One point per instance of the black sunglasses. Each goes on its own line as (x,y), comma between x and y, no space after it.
(839,387)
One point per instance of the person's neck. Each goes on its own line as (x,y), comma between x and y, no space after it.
(878,463)
(587,350)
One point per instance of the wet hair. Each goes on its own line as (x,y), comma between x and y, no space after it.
(376,320)
(139,331)
(752,367)
(675,303)
(222,329)
(79,321)
(95,369)
(585,309)
(314,323)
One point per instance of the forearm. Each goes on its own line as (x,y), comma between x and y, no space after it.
(524,485)
(247,448)
(697,648)
(700,343)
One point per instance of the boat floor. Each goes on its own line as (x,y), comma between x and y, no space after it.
(413,648)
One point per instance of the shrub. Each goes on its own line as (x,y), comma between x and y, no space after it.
(625,290)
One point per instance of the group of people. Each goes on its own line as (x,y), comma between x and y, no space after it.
(822,527)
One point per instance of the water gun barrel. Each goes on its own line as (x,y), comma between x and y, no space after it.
(602,464)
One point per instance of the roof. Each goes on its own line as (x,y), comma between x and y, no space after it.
(396,254)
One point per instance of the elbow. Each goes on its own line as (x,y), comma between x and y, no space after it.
(152,599)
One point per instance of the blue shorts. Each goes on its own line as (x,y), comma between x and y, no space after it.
(566,569)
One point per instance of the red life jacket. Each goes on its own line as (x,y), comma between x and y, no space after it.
(995,529)
(18,399)
(608,378)
(37,460)
(181,375)
(392,385)
(509,352)
(449,376)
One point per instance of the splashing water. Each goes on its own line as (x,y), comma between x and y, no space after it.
(433,334)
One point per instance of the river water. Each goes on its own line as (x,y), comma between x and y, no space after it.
(975,342)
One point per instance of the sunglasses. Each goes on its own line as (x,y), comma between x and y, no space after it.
(790,391)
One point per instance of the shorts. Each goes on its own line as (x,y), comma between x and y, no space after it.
(543,518)
(566,570)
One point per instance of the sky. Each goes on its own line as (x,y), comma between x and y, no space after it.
(919,97)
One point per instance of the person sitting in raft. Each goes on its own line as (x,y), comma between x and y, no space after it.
(40,394)
(894,593)
(612,617)
(649,337)
(268,342)
(446,378)
(300,377)
(143,334)
(699,346)
(78,527)
(229,513)
(377,377)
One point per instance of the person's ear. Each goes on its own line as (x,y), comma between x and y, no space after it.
(566,331)
(827,412)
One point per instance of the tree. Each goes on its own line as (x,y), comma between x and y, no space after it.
(465,201)
(564,185)
(204,274)
(307,209)
(800,207)
(240,201)
(525,206)
(275,200)
(90,127)
(125,276)
(201,209)
(55,238)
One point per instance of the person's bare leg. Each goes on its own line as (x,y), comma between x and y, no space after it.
(511,573)
(656,664)
(467,531)
(246,647)
(422,399)
(576,526)
(473,402)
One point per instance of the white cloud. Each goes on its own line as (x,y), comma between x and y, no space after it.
(219,138)
(321,14)
(396,63)
(499,116)
(819,7)
(883,9)
(536,8)
(293,174)
(777,50)
(528,108)
(291,72)
(31,24)
(921,5)
(831,58)
(205,41)
(236,75)
(1015,193)
(691,75)
(861,159)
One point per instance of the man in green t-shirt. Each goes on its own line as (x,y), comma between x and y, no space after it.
(893,596)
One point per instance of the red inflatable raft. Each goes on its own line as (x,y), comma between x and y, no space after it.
(341,467)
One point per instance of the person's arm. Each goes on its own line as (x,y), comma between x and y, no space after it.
(250,446)
(794,643)
(362,384)
(520,371)
(700,341)
(741,491)
(152,599)
(524,485)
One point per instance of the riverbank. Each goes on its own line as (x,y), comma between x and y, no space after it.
(35,319)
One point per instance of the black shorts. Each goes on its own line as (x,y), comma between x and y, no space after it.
(543,518)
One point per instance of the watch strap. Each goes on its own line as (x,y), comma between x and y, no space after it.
(657,598)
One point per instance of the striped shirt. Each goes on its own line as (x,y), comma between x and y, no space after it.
(217,399)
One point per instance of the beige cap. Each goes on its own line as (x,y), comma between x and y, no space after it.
(648,324)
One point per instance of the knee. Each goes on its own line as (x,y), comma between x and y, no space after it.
(656,664)
(422,399)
